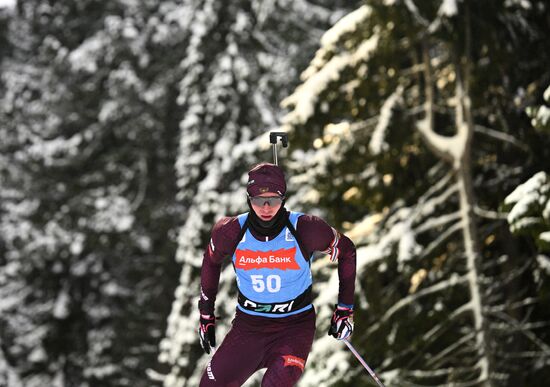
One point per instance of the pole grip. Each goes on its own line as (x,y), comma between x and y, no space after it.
(283,135)
(273,136)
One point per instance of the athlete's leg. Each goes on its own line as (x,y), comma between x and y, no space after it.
(288,355)
(236,359)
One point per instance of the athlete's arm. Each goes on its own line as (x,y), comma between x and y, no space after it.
(221,245)
(316,235)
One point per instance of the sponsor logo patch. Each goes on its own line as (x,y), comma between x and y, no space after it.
(209,372)
(283,259)
(269,308)
(294,361)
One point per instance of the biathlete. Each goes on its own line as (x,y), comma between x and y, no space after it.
(271,250)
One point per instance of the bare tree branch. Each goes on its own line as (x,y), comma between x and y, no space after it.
(441,238)
(402,303)
(504,137)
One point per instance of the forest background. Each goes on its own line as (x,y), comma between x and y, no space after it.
(418,128)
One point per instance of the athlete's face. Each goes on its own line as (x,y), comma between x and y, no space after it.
(266,205)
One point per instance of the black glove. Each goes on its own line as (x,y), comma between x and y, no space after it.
(207,332)
(341,323)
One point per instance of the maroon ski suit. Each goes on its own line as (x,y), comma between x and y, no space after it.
(279,344)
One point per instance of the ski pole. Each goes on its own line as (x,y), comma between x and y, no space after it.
(273,140)
(363,362)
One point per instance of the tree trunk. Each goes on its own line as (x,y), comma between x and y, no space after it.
(473,254)
(463,167)
(456,150)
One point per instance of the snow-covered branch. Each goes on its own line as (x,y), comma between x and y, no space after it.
(511,306)
(431,336)
(489,214)
(436,359)
(448,148)
(438,329)
(441,238)
(348,24)
(426,208)
(436,222)
(432,373)
(517,326)
(509,276)
(304,99)
(501,136)
(439,184)
(377,143)
(8,375)
(410,299)
(413,9)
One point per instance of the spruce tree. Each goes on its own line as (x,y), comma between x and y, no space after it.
(411,120)
(242,58)
(91,121)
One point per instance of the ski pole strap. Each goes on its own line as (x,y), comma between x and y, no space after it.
(275,308)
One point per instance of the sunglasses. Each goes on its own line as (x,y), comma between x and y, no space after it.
(261,201)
